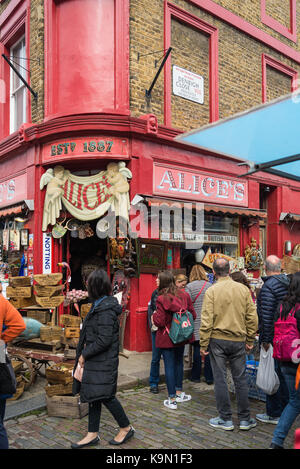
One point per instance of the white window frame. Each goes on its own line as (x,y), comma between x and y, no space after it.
(21,87)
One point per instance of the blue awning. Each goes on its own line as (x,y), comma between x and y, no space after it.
(260,135)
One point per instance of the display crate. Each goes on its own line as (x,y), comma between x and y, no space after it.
(19,281)
(60,373)
(72,332)
(66,406)
(49,333)
(19,292)
(48,279)
(59,389)
(50,302)
(42,316)
(70,320)
(48,291)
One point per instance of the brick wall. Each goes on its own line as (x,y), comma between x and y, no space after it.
(240,63)
(37,58)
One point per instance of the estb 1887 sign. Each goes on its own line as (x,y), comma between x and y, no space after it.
(188,85)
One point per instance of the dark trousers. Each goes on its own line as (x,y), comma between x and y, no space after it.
(173,360)
(115,408)
(155,363)
(3,434)
(277,402)
(197,365)
(223,352)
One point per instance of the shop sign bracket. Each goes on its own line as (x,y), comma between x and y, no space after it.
(20,76)
(148,92)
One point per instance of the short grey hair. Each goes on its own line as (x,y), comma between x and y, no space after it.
(221,267)
(273,264)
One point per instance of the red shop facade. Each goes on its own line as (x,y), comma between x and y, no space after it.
(236,209)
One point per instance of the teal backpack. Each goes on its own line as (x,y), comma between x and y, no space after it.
(182,327)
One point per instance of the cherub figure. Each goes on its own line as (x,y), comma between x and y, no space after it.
(117,175)
(54,179)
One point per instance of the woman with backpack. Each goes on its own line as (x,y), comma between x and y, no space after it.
(196,288)
(289,308)
(171,300)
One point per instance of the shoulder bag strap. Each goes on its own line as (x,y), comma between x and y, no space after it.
(199,292)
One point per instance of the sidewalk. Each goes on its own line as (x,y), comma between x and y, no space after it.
(133,371)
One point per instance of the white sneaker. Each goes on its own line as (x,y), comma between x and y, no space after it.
(183,397)
(170,404)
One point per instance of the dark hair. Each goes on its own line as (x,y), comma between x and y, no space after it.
(241,278)
(292,297)
(98,284)
(166,283)
(221,267)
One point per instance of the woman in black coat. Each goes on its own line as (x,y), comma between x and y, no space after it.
(98,353)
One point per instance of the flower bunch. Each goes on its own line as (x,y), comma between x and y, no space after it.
(74,296)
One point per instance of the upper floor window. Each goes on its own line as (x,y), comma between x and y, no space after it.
(17,87)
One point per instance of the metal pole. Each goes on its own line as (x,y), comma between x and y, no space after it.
(148,92)
(270,164)
(20,76)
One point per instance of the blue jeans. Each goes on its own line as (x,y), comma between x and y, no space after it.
(173,360)
(197,365)
(155,362)
(292,409)
(277,402)
(3,434)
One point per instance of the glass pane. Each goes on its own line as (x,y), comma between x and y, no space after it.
(19,108)
(17,58)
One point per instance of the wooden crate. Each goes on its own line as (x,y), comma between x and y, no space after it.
(18,393)
(60,373)
(41,316)
(19,281)
(50,302)
(59,389)
(49,333)
(66,406)
(70,320)
(48,291)
(72,332)
(84,309)
(19,303)
(48,279)
(19,292)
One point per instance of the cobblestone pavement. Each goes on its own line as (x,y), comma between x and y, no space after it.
(156,426)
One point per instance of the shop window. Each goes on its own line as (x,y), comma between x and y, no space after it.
(221,234)
(17,87)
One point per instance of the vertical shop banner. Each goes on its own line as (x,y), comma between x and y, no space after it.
(47,253)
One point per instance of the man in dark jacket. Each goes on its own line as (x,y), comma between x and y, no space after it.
(272,293)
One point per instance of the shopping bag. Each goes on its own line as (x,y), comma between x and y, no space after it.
(267,379)
(78,372)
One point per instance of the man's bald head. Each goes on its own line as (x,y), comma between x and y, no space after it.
(221,267)
(273,265)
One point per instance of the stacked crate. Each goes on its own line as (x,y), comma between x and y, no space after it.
(20,292)
(60,401)
(48,292)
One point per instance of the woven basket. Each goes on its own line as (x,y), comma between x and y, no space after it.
(48,279)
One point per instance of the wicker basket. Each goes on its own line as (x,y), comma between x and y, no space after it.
(69,320)
(66,406)
(42,290)
(49,333)
(48,279)
(50,302)
(59,389)
(19,292)
(60,373)
(20,281)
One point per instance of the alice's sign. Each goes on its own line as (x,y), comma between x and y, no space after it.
(86,198)
(199,186)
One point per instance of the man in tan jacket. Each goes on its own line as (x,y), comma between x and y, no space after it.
(229,324)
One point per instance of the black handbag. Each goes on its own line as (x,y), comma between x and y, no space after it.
(8,383)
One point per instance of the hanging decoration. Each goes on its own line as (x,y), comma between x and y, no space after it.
(86,198)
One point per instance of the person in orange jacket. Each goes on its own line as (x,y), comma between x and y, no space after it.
(11,325)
